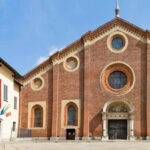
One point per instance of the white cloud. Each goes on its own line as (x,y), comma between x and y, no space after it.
(52,50)
(40,60)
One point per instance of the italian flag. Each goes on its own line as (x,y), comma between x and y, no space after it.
(8,114)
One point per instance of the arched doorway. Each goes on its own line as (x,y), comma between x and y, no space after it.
(118,119)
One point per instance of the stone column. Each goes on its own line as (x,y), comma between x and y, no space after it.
(105,128)
(131,128)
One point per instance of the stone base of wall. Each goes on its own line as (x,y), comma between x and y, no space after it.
(57,138)
(76,139)
(132,138)
(30,139)
(146,138)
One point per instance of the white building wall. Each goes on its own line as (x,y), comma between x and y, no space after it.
(7,78)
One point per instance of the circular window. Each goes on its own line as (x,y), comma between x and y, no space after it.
(71,63)
(37,83)
(117,42)
(117,78)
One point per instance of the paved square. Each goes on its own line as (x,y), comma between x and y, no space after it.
(76,145)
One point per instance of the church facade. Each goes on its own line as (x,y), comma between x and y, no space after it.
(96,88)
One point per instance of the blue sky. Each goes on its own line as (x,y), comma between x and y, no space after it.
(31,30)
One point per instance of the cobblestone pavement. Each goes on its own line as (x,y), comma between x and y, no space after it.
(46,145)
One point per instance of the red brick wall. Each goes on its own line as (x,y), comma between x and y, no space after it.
(84,84)
(29,95)
(70,87)
(100,56)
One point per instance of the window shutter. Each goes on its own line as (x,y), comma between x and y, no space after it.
(5,92)
(15,102)
(14,126)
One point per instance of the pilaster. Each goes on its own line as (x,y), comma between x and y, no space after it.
(148,91)
(86,91)
(55,101)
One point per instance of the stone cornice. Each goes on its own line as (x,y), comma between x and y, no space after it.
(114,25)
(110,25)
(36,74)
(48,64)
(118,28)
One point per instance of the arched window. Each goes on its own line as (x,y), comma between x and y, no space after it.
(36,116)
(71,115)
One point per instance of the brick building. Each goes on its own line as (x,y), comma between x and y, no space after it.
(96,88)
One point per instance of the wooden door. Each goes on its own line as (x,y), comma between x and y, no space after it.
(117,129)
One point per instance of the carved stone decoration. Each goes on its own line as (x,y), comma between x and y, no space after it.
(117,108)
(118,111)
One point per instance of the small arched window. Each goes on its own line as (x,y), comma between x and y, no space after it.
(37,117)
(71,115)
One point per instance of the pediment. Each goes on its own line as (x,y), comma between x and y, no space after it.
(117,24)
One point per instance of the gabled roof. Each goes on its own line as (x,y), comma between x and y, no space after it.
(17,75)
(89,36)
(115,22)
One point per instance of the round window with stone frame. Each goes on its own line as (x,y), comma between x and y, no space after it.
(117,42)
(71,63)
(117,78)
(37,83)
